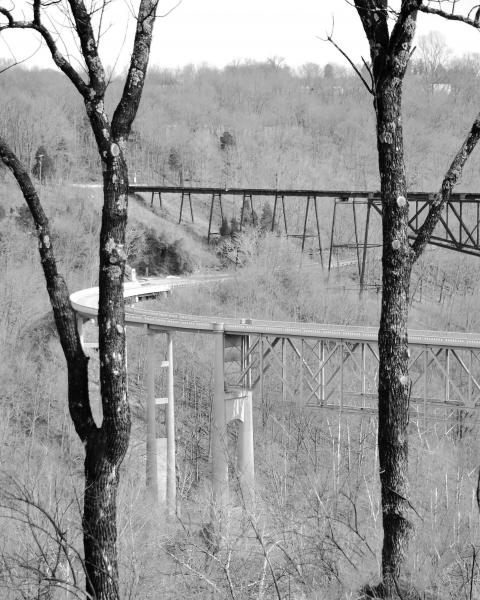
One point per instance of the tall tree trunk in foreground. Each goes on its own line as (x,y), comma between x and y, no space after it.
(393,382)
(106,445)
(390,50)
(390,53)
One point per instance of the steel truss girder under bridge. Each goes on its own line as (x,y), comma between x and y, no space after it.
(342,374)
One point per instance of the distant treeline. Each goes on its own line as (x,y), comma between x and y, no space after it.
(255,124)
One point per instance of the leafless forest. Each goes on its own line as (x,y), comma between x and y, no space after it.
(316,531)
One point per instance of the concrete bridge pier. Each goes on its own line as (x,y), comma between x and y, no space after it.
(160,463)
(246,468)
(231,403)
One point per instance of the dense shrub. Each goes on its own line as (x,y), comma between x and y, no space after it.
(158,257)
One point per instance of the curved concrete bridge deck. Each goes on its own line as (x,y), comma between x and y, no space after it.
(310,364)
(85,304)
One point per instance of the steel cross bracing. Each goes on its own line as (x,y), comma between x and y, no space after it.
(342,374)
(322,365)
(458,228)
(333,366)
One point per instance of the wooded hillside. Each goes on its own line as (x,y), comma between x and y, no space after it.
(307,128)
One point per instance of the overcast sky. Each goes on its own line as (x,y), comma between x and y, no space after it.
(218,32)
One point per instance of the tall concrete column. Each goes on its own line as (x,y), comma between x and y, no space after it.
(171,474)
(219,428)
(246,468)
(152,476)
(245,454)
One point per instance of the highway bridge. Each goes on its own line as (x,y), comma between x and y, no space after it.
(458,228)
(320,366)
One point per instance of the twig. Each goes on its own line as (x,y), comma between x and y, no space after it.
(330,39)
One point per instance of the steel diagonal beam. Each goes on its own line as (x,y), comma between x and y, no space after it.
(304,364)
(474,230)
(446,374)
(315,376)
(332,376)
(462,224)
(474,354)
(301,357)
(279,361)
(415,216)
(378,207)
(267,352)
(305,380)
(447,229)
(329,356)
(359,374)
(250,362)
(467,370)
(313,394)
(337,369)
(424,368)
(322,364)
(370,347)
(314,389)
(412,362)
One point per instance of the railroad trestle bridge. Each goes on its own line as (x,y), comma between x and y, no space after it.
(316,366)
(458,227)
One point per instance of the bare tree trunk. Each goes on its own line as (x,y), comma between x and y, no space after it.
(100,520)
(393,390)
(106,448)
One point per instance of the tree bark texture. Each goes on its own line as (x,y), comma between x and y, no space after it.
(393,388)
(390,50)
(390,53)
(105,446)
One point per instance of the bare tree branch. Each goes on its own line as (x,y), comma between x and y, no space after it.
(132,92)
(64,314)
(451,16)
(350,61)
(451,178)
(7,14)
(83,26)
(16,62)
(36,25)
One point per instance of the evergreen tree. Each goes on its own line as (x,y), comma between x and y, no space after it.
(175,164)
(226,140)
(266,218)
(44,167)
(63,159)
